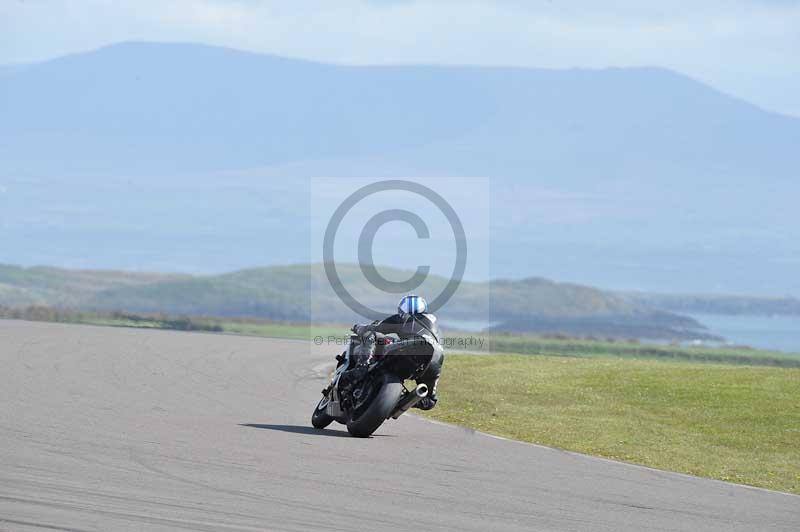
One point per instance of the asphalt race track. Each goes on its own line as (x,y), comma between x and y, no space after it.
(109,429)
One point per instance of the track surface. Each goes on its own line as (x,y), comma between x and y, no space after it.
(122,429)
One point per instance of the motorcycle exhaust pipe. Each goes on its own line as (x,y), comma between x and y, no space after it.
(409,400)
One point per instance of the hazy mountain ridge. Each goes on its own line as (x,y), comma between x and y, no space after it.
(180,157)
(185,105)
(302,293)
(722,304)
(41,285)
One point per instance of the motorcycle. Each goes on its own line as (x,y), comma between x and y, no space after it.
(362,399)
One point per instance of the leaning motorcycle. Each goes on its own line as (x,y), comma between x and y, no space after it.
(373,393)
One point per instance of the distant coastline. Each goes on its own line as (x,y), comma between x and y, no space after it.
(774,333)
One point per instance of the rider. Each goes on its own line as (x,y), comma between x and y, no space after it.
(410,322)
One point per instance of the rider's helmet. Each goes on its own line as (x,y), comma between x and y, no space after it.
(412,304)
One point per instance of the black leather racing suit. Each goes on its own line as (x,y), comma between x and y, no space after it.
(406,328)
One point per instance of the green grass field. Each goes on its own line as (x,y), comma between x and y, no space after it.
(498,343)
(537,345)
(573,347)
(734,423)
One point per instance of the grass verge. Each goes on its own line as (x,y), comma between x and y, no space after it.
(576,347)
(335,335)
(734,423)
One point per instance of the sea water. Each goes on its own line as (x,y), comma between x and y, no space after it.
(775,333)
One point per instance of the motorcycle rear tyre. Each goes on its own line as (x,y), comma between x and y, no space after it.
(379,410)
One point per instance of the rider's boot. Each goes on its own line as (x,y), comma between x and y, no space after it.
(427,402)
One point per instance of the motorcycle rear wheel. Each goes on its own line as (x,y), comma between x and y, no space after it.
(378,410)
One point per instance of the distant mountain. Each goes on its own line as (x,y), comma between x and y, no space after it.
(733,305)
(302,293)
(649,325)
(66,288)
(149,108)
(181,157)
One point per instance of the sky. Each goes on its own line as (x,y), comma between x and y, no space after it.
(746,48)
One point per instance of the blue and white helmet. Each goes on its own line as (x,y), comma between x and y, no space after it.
(412,305)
